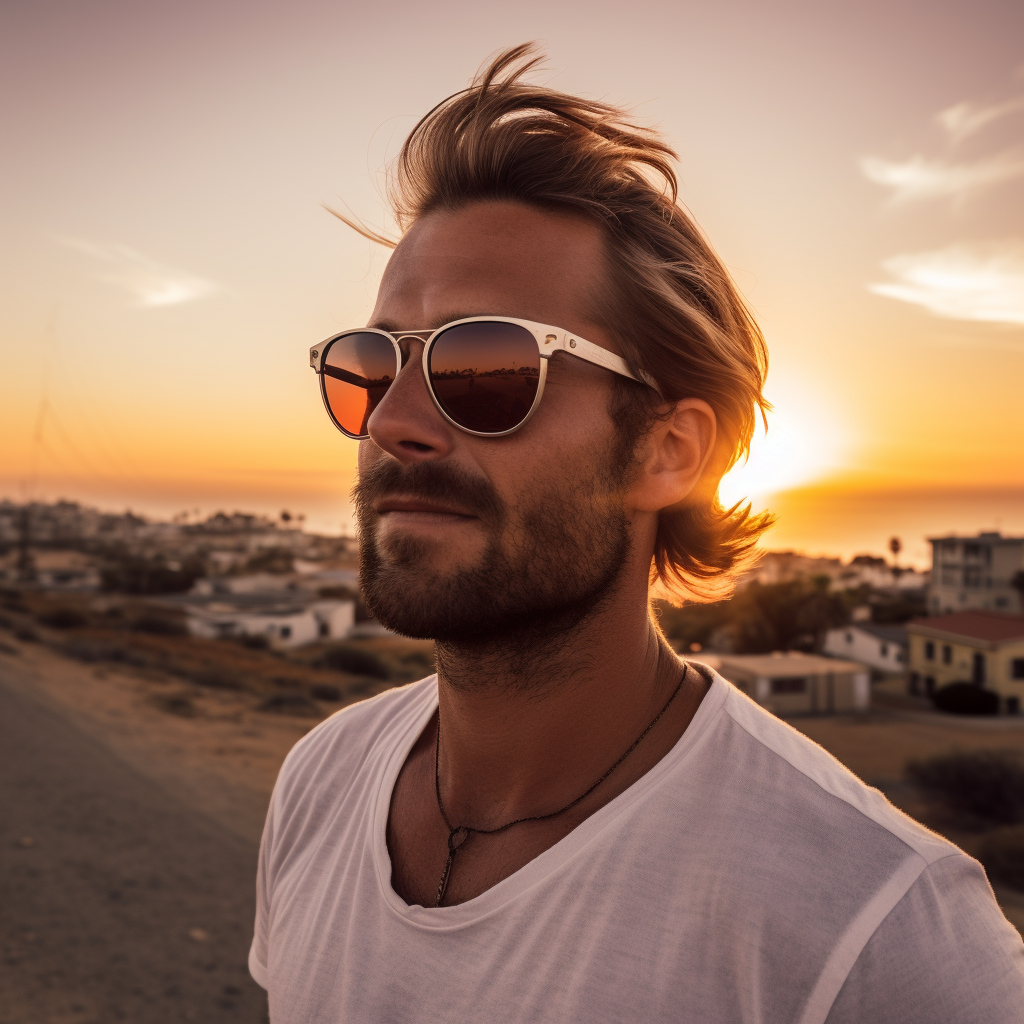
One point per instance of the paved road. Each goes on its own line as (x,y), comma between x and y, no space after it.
(118,902)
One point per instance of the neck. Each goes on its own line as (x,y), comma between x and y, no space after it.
(529,722)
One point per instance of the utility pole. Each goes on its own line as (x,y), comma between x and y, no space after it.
(26,564)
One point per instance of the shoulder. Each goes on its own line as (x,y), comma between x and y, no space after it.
(340,747)
(796,771)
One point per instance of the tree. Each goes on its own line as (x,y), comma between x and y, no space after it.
(895,546)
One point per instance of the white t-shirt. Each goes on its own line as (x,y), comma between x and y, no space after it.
(747,877)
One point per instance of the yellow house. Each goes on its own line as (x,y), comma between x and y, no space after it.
(980,647)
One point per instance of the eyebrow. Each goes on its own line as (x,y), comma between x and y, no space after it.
(393,328)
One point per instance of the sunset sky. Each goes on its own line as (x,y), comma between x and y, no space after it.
(167,260)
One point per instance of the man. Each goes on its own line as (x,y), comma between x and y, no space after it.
(567,823)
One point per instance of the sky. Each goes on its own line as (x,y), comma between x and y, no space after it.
(167,259)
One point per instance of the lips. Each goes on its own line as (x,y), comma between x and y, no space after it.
(419,505)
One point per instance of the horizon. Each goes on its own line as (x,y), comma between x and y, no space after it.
(915,553)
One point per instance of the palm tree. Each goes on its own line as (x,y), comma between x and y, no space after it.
(895,547)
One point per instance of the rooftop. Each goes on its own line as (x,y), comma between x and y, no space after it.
(892,634)
(787,663)
(993,627)
(985,537)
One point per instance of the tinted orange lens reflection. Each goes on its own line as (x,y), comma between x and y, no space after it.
(358,370)
(485,375)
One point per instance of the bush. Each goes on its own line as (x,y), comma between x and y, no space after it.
(356,661)
(139,575)
(985,785)
(254,641)
(180,704)
(290,702)
(966,699)
(62,618)
(1002,853)
(326,692)
(216,679)
(90,651)
(159,625)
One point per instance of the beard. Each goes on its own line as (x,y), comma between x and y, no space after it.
(571,545)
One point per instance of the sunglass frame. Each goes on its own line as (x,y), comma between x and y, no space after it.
(549,341)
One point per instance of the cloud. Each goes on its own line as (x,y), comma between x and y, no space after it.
(964,119)
(919,179)
(980,282)
(152,284)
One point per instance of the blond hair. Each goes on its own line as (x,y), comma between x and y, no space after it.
(671,304)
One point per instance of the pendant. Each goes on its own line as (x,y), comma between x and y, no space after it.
(456,838)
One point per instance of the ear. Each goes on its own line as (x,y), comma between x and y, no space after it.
(675,454)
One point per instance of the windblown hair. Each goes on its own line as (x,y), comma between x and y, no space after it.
(671,303)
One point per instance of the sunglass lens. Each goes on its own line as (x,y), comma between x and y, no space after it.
(358,370)
(485,375)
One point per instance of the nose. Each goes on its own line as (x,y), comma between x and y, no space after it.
(406,423)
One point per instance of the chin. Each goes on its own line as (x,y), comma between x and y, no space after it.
(494,596)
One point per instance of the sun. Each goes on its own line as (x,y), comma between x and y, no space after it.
(806,442)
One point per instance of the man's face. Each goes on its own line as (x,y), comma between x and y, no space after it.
(465,538)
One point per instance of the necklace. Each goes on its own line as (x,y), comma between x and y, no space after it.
(458,834)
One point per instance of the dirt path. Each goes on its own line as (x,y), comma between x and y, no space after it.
(121,900)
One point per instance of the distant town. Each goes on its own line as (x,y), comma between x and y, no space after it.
(801,635)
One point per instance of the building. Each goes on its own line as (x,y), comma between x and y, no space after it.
(976,572)
(283,621)
(793,683)
(883,648)
(980,647)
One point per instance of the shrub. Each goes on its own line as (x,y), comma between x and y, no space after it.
(180,704)
(326,692)
(1002,853)
(62,618)
(356,661)
(101,650)
(160,625)
(966,699)
(254,641)
(26,634)
(984,785)
(216,679)
(290,702)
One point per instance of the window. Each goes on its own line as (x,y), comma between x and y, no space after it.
(978,669)
(929,685)
(789,684)
(929,650)
(1001,602)
(947,654)
(1017,668)
(849,637)
(286,632)
(884,650)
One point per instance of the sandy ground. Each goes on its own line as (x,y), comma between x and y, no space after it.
(225,758)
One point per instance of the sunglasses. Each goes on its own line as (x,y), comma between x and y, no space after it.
(485,374)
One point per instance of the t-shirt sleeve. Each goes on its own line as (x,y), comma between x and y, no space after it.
(945,954)
(261,929)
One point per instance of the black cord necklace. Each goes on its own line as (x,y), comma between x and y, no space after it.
(458,834)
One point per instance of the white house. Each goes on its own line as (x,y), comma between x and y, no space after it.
(793,683)
(882,647)
(283,623)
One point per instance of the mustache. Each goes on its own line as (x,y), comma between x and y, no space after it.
(427,480)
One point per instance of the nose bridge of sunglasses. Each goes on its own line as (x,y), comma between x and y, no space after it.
(406,341)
